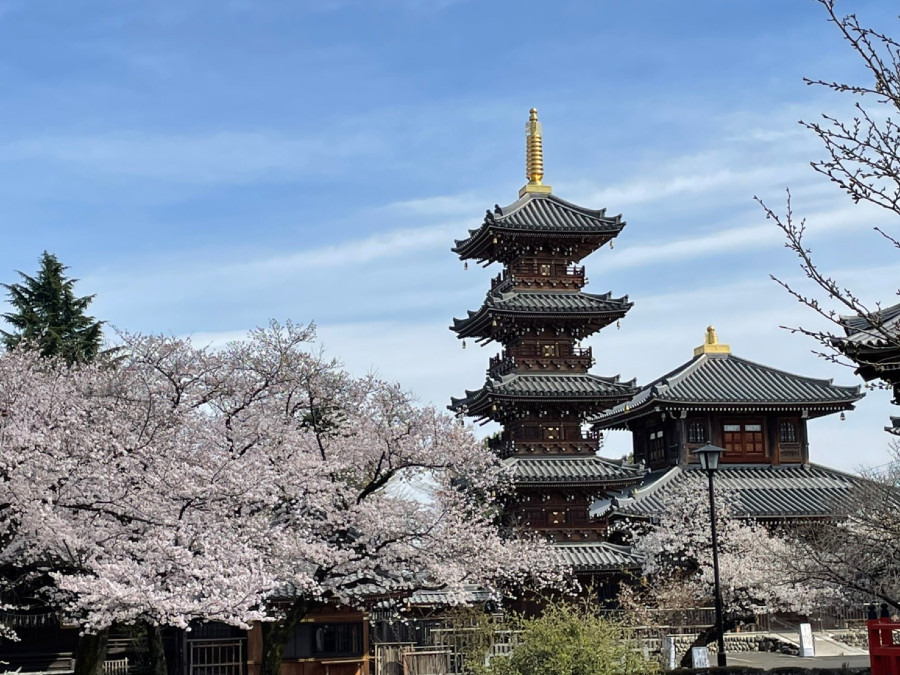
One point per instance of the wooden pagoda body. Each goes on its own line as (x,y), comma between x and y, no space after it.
(539,387)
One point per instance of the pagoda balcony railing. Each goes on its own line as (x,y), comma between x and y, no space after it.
(501,365)
(540,275)
(561,351)
(584,446)
(530,360)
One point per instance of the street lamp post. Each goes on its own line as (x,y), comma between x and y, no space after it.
(709,461)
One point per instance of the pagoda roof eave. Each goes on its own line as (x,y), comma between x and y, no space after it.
(538,215)
(581,389)
(598,557)
(584,471)
(597,310)
(880,328)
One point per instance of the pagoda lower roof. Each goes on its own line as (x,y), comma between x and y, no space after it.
(727,383)
(538,215)
(767,492)
(598,556)
(578,306)
(586,471)
(581,389)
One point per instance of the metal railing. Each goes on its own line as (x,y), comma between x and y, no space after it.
(224,656)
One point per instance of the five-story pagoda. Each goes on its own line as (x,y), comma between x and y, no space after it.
(539,387)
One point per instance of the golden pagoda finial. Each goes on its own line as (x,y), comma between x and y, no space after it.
(711,344)
(534,157)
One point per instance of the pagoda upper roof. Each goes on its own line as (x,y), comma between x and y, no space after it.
(726,382)
(881,329)
(600,556)
(582,389)
(526,304)
(873,342)
(759,491)
(592,470)
(538,215)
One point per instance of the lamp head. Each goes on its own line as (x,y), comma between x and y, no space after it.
(709,457)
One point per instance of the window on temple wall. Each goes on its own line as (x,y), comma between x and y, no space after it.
(657,445)
(549,350)
(787,432)
(544,269)
(696,431)
(552,433)
(743,438)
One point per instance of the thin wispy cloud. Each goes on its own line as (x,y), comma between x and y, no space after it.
(226,157)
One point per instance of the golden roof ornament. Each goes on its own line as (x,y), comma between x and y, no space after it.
(534,157)
(711,344)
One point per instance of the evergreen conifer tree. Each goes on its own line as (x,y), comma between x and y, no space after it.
(48,316)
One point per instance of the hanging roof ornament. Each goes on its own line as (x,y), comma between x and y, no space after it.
(534,157)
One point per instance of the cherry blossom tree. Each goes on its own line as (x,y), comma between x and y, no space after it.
(859,550)
(243,484)
(862,160)
(755,565)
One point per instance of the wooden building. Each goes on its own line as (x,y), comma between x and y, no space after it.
(330,641)
(756,413)
(539,387)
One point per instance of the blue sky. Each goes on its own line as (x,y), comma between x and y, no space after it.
(205,166)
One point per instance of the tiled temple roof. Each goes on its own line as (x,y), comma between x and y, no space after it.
(760,491)
(590,470)
(873,344)
(437,598)
(727,382)
(525,304)
(538,214)
(578,388)
(883,331)
(598,557)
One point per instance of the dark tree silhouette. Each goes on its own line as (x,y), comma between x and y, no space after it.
(49,317)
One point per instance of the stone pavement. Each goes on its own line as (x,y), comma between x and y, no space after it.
(769,660)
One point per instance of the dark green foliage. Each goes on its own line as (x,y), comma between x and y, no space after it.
(49,317)
(567,638)
(570,639)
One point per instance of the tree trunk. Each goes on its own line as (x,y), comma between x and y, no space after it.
(156,654)
(90,654)
(707,637)
(275,635)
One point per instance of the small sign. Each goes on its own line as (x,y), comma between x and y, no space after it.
(668,652)
(700,657)
(807,644)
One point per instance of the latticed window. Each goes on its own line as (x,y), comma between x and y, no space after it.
(696,431)
(657,445)
(787,432)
